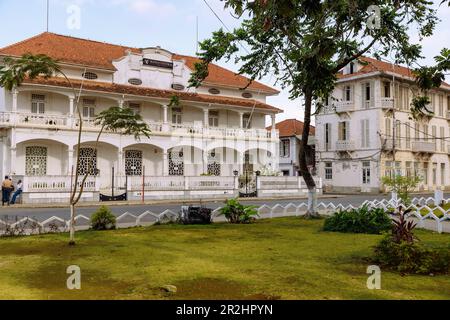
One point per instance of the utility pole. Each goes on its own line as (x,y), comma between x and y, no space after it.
(48,13)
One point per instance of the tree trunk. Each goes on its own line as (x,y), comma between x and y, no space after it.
(72,224)
(307,177)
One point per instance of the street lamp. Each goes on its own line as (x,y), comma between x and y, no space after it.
(258,173)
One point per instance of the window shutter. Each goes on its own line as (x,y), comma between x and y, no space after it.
(367,133)
(372,94)
(363,132)
(363,96)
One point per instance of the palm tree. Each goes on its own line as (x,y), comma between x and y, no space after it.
(16,70)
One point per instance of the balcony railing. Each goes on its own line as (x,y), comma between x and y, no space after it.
(423,146)
(345,145)
(387,103)
(345,106)
(63,121)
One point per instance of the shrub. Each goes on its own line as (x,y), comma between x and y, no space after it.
(362,220)
(402,251)
(402,185)
(238,213)
(103,219)
(411,257)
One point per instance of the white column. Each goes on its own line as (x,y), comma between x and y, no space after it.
(165,163)
(70,161)
(206,118)
(241,120)
(274,129)
(120,169)
(71,111)
(15,94)
(165,126)
(13,152)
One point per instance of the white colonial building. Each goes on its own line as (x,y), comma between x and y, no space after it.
(196,148)
(366,131)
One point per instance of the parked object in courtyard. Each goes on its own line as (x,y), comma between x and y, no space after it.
(195,215)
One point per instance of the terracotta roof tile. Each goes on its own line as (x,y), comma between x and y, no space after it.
(155,93)
(375,65)
(97,54)
(291,127)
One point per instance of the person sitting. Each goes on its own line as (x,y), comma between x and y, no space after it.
(7,187)
(18,192)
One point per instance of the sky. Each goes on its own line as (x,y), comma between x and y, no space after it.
(170,24)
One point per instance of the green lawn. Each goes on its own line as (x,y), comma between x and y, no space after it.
(285,258)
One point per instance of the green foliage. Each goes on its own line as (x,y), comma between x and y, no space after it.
(123,120)
(402,185)
(406,257)
(235,212)
(402,230)
(103,219)
(362,220)
(15,70)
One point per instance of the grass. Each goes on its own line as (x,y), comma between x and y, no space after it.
(286,258)
(436,211)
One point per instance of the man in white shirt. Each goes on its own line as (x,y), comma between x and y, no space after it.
(18,192)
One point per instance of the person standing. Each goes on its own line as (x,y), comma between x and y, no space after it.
(7,187)
(18,192)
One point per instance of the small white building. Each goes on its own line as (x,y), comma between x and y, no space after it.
(195,149)
(366,132)
(290,132)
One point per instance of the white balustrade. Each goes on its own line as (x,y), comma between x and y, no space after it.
(152,183)
(50,120)
(42,119)
(345,145)
(345,106)
(387,103)
(423,146)
(57,183)
(210,183)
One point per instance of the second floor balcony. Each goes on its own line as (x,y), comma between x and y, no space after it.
(345,106)
(423,146)
(65,122)
(345,145)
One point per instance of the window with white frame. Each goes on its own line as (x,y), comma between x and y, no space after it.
(386,89)
(89,109)
(442,135)
(366,172)
(434,175)
(37,103)
(177,116)
(348,93)
(285,147)
(442,174)
(213,118)
(35,161)
(409,169)
(434,135)
(328,170)
(387,127)
(388,169)
(367,95)
(398,134)
(441,105)
(425,173)
(344,132)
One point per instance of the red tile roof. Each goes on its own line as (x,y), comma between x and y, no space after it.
(154,93)
(291,127)
(375,65)
(97,54)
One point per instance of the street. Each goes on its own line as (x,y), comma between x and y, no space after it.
(41,214)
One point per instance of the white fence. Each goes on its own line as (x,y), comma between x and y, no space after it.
(57,184)
(28,226)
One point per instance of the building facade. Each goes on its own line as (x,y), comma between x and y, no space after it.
(290,132)
(366,131)
(216,132)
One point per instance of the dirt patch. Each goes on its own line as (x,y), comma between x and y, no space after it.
(215,289)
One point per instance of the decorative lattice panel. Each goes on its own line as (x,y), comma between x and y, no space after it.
(176,163)
(35,161)
(133,163)
(214,167)
(88,162)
